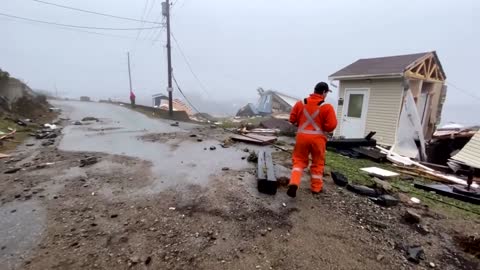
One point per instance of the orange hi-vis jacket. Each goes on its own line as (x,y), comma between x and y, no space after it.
(314,119)
(326,119)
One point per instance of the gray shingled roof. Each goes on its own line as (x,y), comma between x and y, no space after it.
(390,65)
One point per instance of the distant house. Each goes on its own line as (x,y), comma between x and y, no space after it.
(161,101)
(84,98)
(270,102)
(371,94)
(157,100)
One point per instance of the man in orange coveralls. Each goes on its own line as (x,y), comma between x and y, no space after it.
(314,119)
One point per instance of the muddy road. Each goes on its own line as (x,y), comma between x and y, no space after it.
(156,197)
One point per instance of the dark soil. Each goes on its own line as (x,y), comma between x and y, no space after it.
(104,219)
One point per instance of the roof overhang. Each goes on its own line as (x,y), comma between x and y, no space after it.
(366,76)
(159,95)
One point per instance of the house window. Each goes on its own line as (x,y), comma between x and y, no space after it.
(355,104)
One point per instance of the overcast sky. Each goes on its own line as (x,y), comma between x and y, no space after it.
(236,46)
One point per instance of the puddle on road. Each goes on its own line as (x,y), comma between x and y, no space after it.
(21,227)
(186,163)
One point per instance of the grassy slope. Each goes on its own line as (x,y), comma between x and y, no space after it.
(351,168)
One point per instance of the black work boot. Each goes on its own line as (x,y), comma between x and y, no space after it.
(292,191)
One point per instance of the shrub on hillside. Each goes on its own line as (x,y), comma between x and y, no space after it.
(4,75)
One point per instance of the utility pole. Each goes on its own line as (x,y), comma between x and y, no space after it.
(166,13)
(129,73)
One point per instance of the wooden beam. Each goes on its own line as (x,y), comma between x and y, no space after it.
(415,68)
(427,66)
(424,69)
(266,180)
(436,74)
(413,75)
(434,68)
(441,75)
(422,65)
(431,65)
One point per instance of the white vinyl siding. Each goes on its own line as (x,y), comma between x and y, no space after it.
(470,153)
(385,98)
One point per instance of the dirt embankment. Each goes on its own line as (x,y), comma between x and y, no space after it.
(17,99)
(22,110)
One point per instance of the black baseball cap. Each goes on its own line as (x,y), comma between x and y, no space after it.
(322,87)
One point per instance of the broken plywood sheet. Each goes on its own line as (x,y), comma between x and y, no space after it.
(470,153)
(379,172)
(2,155)
(254,138)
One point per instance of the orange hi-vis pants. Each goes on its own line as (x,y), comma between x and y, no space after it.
(305,145)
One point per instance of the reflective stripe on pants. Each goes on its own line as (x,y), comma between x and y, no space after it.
(307,144)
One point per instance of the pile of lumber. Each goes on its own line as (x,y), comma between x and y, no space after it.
(408,166)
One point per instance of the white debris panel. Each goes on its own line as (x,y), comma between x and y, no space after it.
(470,153)
(409,129)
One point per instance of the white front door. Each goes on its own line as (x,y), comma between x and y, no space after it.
(354,113)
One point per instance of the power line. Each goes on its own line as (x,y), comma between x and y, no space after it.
(160,19)
(150,9)
(462,90)
(183,4)
(190,66)
(82,31)
(143,17)
(156,37)
(77,26)
(181,92)
(94,12)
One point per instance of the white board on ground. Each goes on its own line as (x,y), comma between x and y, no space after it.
(379,172)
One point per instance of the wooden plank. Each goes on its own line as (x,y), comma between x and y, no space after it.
(423,175)
(254,138)
(432,71)
(416,69)
(270,168)
(261,168)
(8,135)
(422,67)
(266,180)
(412,75)
(2,155)
(429,65)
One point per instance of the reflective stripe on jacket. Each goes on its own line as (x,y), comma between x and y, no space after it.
(313,116)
